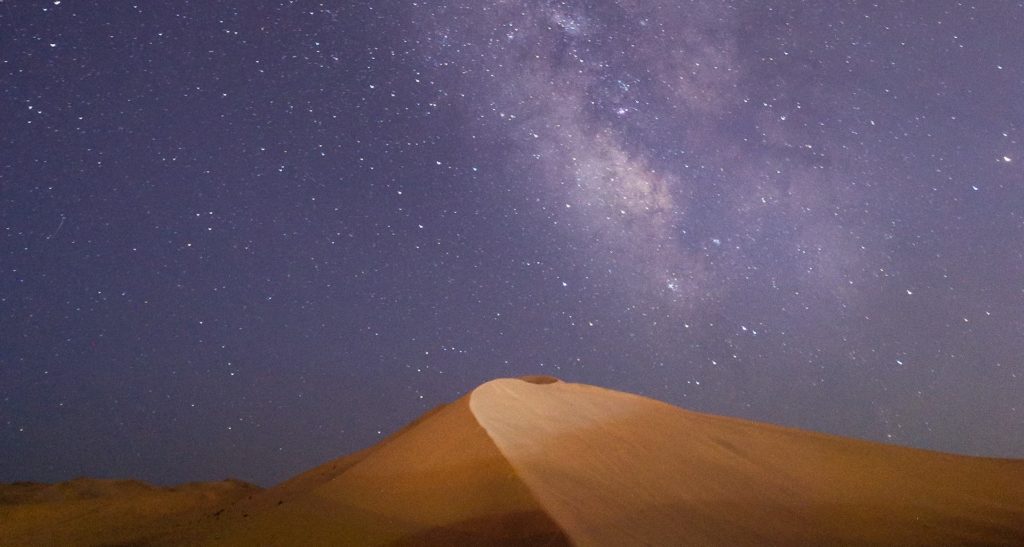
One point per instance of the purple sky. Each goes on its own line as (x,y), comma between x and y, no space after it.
(240,239)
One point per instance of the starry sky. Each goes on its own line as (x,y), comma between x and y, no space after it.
(243,238)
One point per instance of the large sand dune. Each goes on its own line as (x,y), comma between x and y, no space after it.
(542,462)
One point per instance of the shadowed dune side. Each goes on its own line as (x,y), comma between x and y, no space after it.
(214,524)
(441,481)
(613,468)
(110,512)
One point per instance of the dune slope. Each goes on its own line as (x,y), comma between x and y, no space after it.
(618,469)
(441,481)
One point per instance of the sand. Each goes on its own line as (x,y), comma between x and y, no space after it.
(616,469)
(111,512)
(537,461)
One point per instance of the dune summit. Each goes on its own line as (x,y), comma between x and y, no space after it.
(537,461)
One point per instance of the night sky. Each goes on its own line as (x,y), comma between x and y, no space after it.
(243,238)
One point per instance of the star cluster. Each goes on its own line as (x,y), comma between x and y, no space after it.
(239,240)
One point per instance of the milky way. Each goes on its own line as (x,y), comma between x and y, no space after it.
(675,166)
(258,237)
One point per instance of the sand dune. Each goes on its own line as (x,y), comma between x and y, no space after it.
(615,469)
(537,461)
